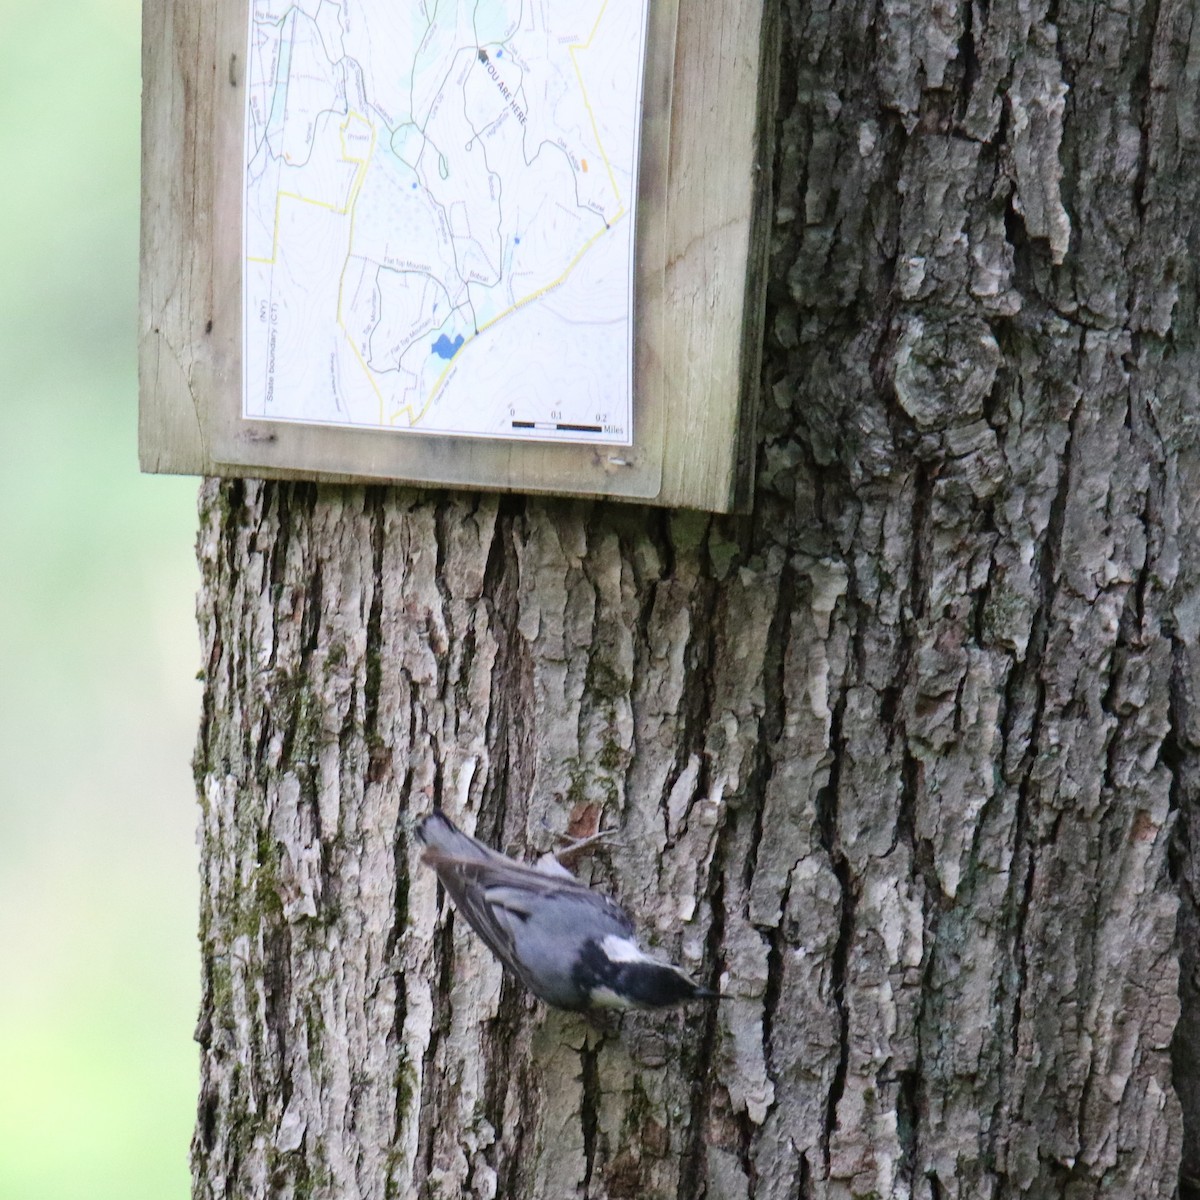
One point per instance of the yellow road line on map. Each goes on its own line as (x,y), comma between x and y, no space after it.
(280,197)
(588,105)
(351,201)
(326,204)
(549,287)
(352,195)
(554,282)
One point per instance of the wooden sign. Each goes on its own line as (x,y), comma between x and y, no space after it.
(403,243)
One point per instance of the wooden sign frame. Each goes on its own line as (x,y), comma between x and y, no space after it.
(703,200)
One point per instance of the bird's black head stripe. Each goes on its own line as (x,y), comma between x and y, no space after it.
(646,984)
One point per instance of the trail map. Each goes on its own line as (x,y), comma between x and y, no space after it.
(439,215)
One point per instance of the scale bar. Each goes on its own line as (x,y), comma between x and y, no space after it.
(558,426)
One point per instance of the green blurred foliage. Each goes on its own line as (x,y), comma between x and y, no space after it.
(98,698)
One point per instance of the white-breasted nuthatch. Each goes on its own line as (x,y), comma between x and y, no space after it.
(570,946)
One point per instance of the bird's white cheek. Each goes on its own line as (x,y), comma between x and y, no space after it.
(623,950)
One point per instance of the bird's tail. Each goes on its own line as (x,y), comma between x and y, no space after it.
(444,839)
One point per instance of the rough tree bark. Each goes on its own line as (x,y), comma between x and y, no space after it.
(898,759)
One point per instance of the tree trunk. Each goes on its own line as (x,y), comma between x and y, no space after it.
(897,760)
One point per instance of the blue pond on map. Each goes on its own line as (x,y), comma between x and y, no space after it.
(447,349)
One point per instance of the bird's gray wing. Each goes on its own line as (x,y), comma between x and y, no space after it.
(497,896)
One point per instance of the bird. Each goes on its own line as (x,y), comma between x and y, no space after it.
(571,946)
